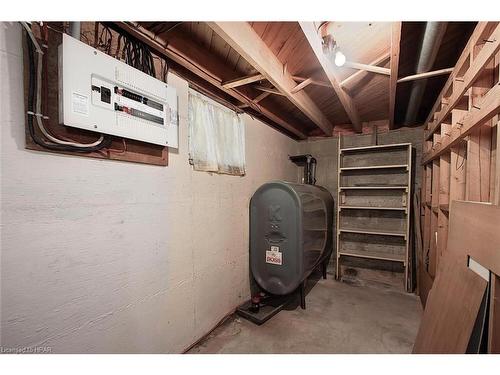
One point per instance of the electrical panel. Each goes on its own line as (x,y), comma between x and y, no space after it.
(100,93)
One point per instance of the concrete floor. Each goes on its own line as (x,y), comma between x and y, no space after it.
(368,312)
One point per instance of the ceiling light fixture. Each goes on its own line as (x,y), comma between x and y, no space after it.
(330,46)
(339,58)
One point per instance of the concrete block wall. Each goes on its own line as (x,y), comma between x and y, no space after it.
(113,257)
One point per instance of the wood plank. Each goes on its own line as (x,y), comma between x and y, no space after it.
(494,323)
(242,38)
(189,56)
(395,48)
(313,81)
(451,309)
(242,81)
(315,42)
(301,85)
(462,84)
(259,97)
(496,188)
(433,253)
(269,90)
(434,73)
(457,173)
(368,68)
(444,195)
(472,172)
(379,60)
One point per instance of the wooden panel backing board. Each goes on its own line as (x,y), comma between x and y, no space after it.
(121,149)
(457,292)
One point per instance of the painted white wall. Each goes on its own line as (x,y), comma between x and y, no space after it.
(104,256)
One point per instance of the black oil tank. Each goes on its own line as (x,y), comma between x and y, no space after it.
(291,233)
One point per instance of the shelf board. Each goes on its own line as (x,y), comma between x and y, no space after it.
(373,187)
(394,166)
(376,232)
(315,229)
(374,208)
(397,145)
(375,256)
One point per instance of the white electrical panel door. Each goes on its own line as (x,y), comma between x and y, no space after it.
(102,94)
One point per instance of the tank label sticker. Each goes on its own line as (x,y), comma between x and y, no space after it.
(274,256)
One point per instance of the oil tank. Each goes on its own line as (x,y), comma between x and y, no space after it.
(291,233)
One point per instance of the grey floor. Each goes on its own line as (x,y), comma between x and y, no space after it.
(366,313)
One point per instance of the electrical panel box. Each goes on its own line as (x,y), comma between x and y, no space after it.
(100,93)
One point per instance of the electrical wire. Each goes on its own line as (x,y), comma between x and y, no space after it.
(34,106)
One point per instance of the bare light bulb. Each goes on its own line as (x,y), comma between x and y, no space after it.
(339,58)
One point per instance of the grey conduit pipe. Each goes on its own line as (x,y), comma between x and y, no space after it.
(75,30)
(433,35)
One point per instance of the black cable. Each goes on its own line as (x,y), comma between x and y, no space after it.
(31,107)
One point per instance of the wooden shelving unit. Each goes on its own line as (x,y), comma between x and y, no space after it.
(374,185)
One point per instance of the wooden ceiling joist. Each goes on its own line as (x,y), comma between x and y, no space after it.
(315,42)
(395,48)
(243,39)
(190,56)
(242,81)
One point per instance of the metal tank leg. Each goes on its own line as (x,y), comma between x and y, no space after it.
(303,295)
(323,269)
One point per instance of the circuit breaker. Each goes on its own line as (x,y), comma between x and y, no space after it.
(100,93)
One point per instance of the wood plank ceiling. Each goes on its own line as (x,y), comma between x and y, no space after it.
(271,70)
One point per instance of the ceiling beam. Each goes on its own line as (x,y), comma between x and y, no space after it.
(189,55)
(395,47)
(379,60)
(315,42)
(242,81)
(243,39)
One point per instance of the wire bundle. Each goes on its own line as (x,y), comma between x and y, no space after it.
(138,55)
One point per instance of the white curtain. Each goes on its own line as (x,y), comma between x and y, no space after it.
(216,137)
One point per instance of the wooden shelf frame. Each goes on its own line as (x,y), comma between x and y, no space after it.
(373,188)
(368,256)
(406,189)
(373,232)
(397,166)
(342,207)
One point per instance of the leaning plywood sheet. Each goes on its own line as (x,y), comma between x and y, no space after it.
(451,309)
(475,232)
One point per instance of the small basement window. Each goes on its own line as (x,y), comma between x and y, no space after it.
(216,137)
